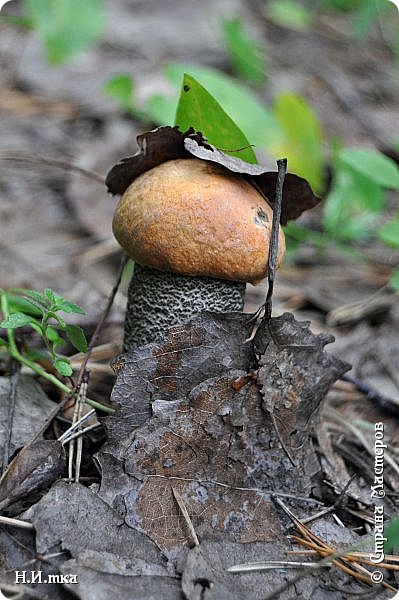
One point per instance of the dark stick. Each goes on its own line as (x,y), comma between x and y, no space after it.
(50,162)
(12,398)
(96,333)
(384,403)
(273,246)
(92,343)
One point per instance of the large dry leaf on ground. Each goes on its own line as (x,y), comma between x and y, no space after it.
(110,559)
(206,576)
(185,429)
(32,407)
(295,374)
(18,553)
(33,469)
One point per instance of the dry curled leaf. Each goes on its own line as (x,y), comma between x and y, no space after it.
(185,426)
(34,468)
(294,374)
(168,143)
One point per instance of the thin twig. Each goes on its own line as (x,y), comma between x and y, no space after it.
(63,438)
(81,432)
(273,564)
(335,415)
(16,522)
(271,274)
(79,442)
(12,398)
(77,415)
(186,516)
(235,487)
(103,318)
(273,244)
(50,162)
(373,395)
(92,344)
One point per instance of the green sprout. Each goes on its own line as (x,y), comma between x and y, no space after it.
(40,311)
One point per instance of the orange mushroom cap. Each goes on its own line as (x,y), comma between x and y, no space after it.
(196,218)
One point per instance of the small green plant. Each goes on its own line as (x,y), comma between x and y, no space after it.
(65,27)
(356,203)
(360,15)
(357,197)
(289,14)
(121,89)
(392,534)
(246,55)
(40,311)
(302,141)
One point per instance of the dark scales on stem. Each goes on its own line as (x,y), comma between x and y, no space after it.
(177,298)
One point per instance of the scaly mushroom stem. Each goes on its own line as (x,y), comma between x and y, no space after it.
(157,300)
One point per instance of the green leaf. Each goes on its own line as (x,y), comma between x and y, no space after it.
(391,532)
(198,109)
(53,315)
(303,142)
(364,17)
(60,303)
(58,343)
(245,53)
(63,367)
(257,123)
(352,204)
(53,336)
(77,337)
(19,304)
(389,233)
(345,217)
(288,13)
(36,296)
(16,20)
(37,354)
(50,296)
(372,164)
(340,5)
(394,281)
(69,307)
(120,88)
(66,27)
(16,320)
(365,194)
(161,109)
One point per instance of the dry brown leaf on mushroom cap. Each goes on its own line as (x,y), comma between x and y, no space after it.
(168,143)
(198,224)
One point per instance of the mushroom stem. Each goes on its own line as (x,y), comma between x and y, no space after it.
(157,300)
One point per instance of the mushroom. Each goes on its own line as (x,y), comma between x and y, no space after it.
(197,233)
